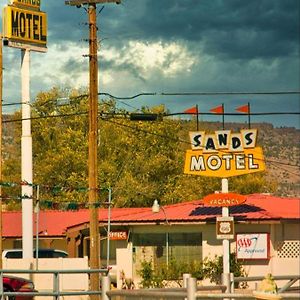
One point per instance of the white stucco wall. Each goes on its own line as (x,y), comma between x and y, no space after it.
(44,282)
(284,243)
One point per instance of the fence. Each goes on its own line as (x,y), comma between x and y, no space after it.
(190,291)
(56,292)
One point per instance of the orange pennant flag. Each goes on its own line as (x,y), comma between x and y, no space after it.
(192,110)
(218,110)
(243,109)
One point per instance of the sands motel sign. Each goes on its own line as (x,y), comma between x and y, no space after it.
(224,154)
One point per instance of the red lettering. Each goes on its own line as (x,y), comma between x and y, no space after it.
(244,243)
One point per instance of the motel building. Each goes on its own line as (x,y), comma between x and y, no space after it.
(266,235)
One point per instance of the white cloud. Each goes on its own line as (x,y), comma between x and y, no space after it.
(62,64)
(169,59)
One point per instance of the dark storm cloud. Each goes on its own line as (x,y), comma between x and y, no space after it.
(235,28)
(65,23)
(234,45)
(126,66)
(228,28)
(74,66)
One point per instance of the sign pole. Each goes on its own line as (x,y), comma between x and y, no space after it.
(26,159)
(1,92)
(32,37)
(226,243)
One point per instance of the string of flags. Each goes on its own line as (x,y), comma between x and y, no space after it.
(54,205)
(245,109)
(218,109)
(49,204)
(60,205)
(54,189)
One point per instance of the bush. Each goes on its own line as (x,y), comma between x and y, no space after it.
(156,277)
(210,268)
(213,268)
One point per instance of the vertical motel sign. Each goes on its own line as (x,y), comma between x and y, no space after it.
(224,154)
(24,25)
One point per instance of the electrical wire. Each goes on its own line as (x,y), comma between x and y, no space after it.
(186,142)
(113,114)
(231,93)
(177,94)
(284,169)
(129,97)
(236,114)
(104,116)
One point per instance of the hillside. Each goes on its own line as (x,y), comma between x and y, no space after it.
(281,148)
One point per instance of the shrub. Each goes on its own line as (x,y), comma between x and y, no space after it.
(210,268)
(156,277)
(213,268)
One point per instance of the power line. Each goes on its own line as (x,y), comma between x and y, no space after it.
(183,141)
(231,93)
(113,114)
(202,94)
(102,116)
(176,94)
(284,169)
(235,114)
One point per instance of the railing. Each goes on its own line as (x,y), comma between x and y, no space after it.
(291,280)
(190,291)
(56,292)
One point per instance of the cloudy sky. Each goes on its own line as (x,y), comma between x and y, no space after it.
(174,46)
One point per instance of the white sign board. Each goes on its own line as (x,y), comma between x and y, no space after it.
(253,246)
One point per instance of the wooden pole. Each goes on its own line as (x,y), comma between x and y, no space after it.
(1,93)
(92,139)
(92,161)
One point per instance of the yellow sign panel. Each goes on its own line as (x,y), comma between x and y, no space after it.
(30,3)
(224,163)
(25,26)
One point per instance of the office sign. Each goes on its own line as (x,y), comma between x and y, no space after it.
(118,235)
(253,246)
(224,199)
(224,154)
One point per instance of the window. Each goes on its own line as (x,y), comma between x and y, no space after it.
(162,247)
(185,247)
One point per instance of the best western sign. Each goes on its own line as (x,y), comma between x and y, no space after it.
(24,23)
(224,154)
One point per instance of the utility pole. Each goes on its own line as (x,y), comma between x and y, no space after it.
(93,137)
(1,93)
(93,169)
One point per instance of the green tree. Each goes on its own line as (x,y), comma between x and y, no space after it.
(140,161)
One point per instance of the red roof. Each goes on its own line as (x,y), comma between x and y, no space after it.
(257,207)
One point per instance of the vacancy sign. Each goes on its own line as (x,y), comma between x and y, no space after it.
(224,199)
(224,154)
(253,246)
